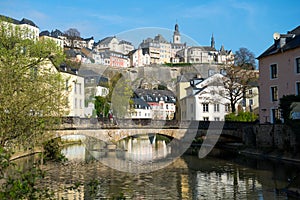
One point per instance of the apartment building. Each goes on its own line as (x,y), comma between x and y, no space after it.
(279,69)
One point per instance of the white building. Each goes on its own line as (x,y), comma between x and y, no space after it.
(31,30)
(113,44)
(205,54)
(139,57)
(140,110)
(205,100)
(162,103)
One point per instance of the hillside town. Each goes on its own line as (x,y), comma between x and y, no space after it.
(197,96)
(158,118)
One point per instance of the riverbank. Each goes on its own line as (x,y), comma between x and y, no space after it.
(29,152)
(240,149)
(271,155)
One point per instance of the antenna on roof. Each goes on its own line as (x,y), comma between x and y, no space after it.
(276,36)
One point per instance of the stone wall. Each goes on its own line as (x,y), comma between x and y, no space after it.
(276,136)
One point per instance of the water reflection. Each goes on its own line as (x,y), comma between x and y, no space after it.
(186,178)
(134,154)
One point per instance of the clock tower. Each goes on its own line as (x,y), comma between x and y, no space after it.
(176,35)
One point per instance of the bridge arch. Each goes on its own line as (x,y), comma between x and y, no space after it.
(114,135)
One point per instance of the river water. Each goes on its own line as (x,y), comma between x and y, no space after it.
(90,174)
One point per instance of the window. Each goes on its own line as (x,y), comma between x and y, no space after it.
(250,102)
(227,107)
(273,69)
(79,85)
(274,93)
(217,118)
(205,107)
(75,87)
(216,108)
(297,65)
(75,103)
(205,119)
(298,88)
(250,92)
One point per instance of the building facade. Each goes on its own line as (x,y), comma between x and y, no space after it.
(205,101)
(75,91)
(162,103)
(29,28)
(279,68)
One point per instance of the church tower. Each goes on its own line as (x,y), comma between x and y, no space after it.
(176,35)
(212,42)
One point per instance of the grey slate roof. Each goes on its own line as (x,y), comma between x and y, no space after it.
(106,40)
(156,95)
(23,21)
(291,43)
(141,103)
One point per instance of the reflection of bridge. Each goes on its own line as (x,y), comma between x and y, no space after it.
(231,131)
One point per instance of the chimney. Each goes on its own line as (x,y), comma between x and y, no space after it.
(280,39)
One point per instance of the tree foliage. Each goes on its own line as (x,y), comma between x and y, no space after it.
(245,59)
(31,89)
(120,93)
(118,99)
(241,117)
(102,106)
(72,34)
(286,107)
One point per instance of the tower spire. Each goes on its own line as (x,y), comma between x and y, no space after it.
(212,42)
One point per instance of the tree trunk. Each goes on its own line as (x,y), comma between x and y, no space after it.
(232,107)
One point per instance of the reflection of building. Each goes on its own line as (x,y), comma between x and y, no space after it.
(279,68)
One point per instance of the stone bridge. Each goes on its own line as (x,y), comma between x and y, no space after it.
(111,133)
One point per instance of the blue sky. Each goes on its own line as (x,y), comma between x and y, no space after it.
(234,23)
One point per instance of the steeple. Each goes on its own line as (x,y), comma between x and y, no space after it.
(212,42)
(176,35)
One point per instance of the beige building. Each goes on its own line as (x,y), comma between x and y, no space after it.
(160,50)
(57,41)
(75,92)
(279,68)
(205,54)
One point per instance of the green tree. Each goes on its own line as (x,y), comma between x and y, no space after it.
(120,93)
(101,106)
(241,117)
(32,99)
(31,89)
(286,105)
